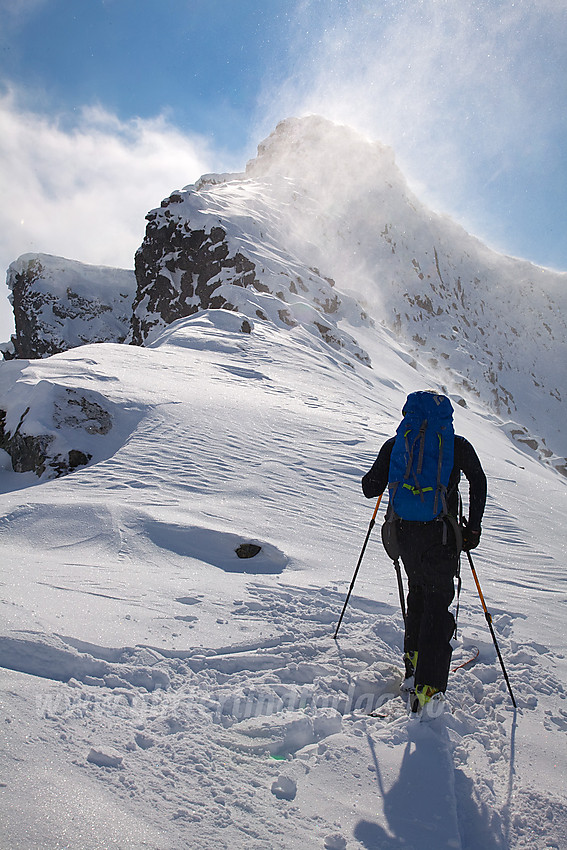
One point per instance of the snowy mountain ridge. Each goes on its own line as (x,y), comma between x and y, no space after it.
(492,325)
(191,697)
(167,611)
(322,212)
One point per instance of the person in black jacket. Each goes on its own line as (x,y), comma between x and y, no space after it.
(430,554)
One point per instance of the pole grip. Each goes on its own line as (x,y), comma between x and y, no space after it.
(376,508)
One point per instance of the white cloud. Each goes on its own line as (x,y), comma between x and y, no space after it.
(83,192)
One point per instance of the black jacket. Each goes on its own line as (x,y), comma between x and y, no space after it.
(466,460)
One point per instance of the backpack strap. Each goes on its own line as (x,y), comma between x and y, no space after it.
(451,522)
(421,436)
(459,584)
(410,451)
(441,490)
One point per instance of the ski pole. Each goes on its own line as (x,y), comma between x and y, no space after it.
(400,587)
(368,533)
(489,621)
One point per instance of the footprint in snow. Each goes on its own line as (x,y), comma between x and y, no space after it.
(335,842)
(284,788)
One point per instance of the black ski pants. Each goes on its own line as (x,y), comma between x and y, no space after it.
(430,558)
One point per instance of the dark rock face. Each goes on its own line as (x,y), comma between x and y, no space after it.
(178,272)
(191,260)
(74,414)
(60,304)
(34,453)
(28,452)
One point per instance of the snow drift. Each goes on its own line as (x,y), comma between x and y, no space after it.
(320,215)
(190,696)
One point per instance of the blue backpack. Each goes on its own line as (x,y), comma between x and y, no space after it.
(422,458)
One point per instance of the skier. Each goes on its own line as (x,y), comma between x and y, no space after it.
(428,547)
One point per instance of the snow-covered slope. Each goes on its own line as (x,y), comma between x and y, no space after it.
(167,611)
(320,202)
(163,692)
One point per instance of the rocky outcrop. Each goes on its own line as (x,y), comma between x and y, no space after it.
(201,253)
(60,304)
(321,197)
(179,271)
(52,433)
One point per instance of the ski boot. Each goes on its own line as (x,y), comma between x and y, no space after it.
(426,701)
(410,662)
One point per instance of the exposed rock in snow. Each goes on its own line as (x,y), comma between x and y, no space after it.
(248,550)
(321,204)
(51,429)
(35,445)
(223,246)
(60,304)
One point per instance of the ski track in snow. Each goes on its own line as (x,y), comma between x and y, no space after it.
(188,698)
(199,738)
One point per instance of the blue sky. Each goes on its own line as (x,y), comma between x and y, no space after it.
(198,61)
(106,106)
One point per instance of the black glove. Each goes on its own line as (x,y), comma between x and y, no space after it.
(471,538)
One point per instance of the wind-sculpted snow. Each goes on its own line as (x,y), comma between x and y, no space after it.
(167,611)
(192,697)
(51,420)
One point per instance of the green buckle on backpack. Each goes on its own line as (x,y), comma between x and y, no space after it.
(417,491)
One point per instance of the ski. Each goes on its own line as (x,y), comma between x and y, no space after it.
(392,709)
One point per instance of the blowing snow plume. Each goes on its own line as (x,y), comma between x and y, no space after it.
(467,97)
(322,204)
(321,215)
